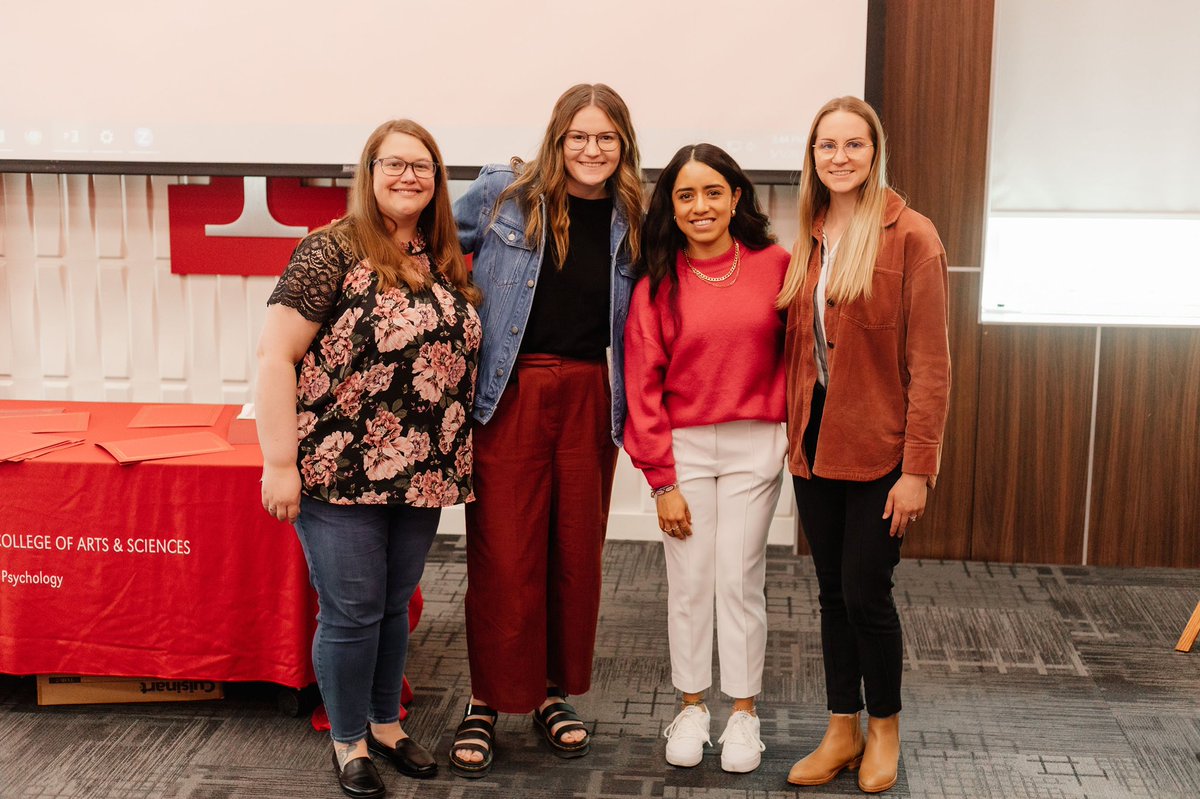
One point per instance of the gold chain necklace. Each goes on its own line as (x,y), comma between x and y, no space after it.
(737,259)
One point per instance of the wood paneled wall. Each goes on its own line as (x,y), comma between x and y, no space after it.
(1145,503)
(1064,444)
(933,97)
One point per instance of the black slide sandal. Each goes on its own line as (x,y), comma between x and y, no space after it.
(558,718)
(476,733)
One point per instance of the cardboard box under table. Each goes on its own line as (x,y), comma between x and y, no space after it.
(59,689)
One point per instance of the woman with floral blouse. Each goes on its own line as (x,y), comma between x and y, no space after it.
(366,376)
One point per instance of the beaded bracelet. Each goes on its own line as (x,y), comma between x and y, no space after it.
(658,492)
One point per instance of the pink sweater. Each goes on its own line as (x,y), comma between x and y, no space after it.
(719,360)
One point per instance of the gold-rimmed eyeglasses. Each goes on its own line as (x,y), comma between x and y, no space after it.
(607,141)
(853,148)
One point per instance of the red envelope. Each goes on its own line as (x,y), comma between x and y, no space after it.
(145,449)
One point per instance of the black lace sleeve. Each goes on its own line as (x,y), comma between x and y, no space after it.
(312,281)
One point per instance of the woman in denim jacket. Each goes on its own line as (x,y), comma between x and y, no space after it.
(553,241)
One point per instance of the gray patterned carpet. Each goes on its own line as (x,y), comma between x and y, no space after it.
(1021,682)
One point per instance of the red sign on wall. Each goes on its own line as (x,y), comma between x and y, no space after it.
(245,226)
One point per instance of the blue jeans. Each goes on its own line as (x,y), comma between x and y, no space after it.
(365,562)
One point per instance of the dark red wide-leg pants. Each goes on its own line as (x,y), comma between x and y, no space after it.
(543,477)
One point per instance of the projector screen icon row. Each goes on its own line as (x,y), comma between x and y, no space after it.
(73,137)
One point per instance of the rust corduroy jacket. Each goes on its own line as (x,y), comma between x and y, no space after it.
(889,360)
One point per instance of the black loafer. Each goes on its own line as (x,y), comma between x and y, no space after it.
(359,779)
(409,757)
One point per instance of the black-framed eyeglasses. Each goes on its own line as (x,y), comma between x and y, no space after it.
(607,141)
(852,148)
(397,166)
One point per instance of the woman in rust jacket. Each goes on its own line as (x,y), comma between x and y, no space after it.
(868,377)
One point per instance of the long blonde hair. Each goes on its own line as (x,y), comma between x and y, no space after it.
(853,265)
(546,175)
(365,230)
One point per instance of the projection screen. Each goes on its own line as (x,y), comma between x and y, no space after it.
(214,82)
(1094,164)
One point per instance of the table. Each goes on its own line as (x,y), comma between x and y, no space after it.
(165,569)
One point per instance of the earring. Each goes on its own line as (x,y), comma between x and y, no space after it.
(733,211)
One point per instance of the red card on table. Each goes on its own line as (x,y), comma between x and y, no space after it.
(144,449)
(46,450)
(46,423)
(29,411)
(242,431)
(15,445)
(176,416)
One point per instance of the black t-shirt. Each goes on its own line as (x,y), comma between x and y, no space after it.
(569,316)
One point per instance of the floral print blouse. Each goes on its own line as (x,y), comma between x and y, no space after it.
(384,392)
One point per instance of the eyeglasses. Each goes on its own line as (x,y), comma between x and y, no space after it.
(852,148)
(577,140)
(397,166)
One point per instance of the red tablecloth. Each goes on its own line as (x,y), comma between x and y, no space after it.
(165,569)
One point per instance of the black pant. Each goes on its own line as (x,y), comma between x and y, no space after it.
(854,558)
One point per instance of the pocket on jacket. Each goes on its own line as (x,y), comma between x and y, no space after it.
(624,266)
(510,233)
(508,256)
(881,311)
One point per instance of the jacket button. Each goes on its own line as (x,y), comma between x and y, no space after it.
(529,283)
(499,372)
(829,344)
(512,236)
(830,303)
(515,330)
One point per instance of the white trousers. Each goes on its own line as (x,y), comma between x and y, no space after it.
(730,476)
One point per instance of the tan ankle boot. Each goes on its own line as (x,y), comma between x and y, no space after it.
(882,755)
(841,748)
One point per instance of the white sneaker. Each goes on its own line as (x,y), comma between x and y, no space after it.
(687,735)
(742,747)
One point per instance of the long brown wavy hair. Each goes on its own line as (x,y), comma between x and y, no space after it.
(365,230)
(854,262)
(546,175)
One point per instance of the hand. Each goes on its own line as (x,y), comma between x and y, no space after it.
(906,502)
(281,492)
(674,516)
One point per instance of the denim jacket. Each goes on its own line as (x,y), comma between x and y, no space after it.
(507,269)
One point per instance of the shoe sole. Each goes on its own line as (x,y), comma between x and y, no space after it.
(741,769)
(851,766)
(681,764)
(879,789)
(470,773)
(567,754)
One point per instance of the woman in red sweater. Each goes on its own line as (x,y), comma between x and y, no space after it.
(868,370)
(704,374)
